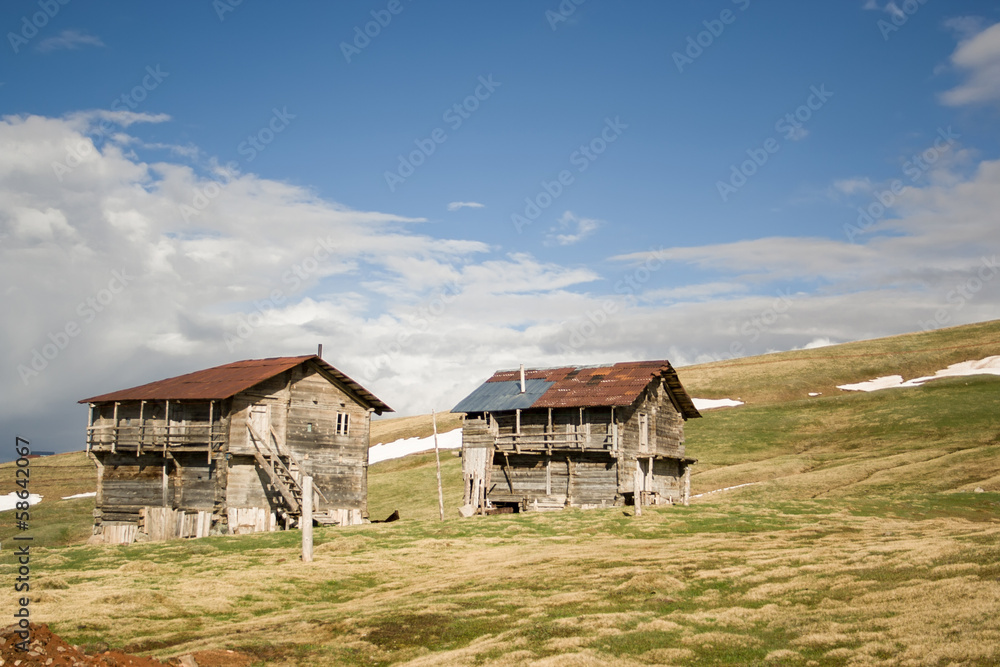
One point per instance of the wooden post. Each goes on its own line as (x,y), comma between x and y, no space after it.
(142,428)
(114,429)
(211,407)
(437,458)
(90,425)
(637,483)
(166,424)
(307,519)
(687,485)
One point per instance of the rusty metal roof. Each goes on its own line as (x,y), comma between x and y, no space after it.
(228,380)
(591,386)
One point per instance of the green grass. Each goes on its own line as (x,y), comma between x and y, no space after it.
(860,542)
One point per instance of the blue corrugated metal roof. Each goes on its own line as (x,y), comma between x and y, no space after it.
(496,396)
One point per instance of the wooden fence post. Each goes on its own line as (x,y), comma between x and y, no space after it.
(307,519)
(636,484)
(437,457)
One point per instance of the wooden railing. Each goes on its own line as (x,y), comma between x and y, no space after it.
(149,437)
(554,441)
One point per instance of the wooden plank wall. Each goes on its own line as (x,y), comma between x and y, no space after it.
(246,520)
(128,483)
(246,484)
(587,479)
(273,392)
(194,483)
(337,463)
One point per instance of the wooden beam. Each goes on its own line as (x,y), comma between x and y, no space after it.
(211,410)
(437,458)
(166,424)
(636,492)
(138,447)
(114,431)
(90,425)
(307,519)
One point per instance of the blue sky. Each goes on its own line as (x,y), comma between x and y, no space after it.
(241,164)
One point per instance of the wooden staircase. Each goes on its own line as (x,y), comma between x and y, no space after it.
(284,478)
(280,476)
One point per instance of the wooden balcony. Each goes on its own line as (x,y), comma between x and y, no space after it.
(152,438)
(555,442)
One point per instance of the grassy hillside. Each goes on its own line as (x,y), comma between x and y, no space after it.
(859,541)
(790,376)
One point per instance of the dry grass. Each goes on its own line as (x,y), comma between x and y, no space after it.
(860,545)
(835,583)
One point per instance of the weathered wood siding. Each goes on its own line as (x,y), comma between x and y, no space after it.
(337,463)
(246,484)
(194,483)
(274,395)
(666,480)
(582,479)
(128,483)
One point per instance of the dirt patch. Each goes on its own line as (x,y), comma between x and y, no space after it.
(47,648)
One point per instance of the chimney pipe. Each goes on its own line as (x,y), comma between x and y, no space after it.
(319,350)
(522,378)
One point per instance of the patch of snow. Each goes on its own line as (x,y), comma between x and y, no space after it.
(712,403)
(81,495)
(400,448)
(10,501)
(728,488)
(815,393)
(885,382)
(987,366)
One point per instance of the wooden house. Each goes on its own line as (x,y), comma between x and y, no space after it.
(224,450)
(576,436)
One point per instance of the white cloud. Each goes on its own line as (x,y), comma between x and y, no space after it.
(850,186)
(69,40)
(978,57)
(455,205)
(416,319)
(890,8)
(571,229)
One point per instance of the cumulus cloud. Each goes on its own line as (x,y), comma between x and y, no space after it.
(69,40)
(978,58)
(456,205)
(109,285)
(571,229)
